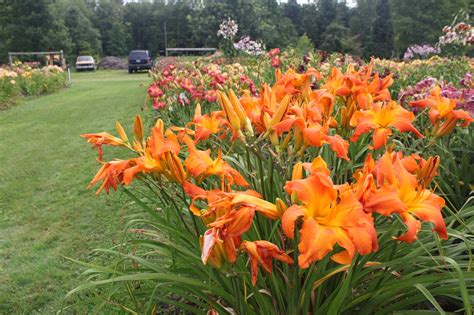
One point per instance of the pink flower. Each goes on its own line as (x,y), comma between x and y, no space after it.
(276,62)
(158,104)
(210,95)
(154,91)
(274,52)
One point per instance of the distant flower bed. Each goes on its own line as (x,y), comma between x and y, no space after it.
(25,79)
(409,73)
(183,83)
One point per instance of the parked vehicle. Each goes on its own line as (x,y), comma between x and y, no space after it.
(139,60)
(85,63)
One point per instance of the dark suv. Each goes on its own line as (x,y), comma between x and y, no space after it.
(139,60)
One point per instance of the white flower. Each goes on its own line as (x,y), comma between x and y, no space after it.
(228,29)
(251,47)
(461,34)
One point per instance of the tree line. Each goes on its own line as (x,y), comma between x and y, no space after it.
(384,28)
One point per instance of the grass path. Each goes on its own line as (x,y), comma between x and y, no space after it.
(45,210)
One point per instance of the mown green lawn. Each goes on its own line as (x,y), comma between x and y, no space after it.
(46,213)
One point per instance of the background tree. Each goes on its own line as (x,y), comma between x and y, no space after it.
(140,18)
(338,38)
(381,41)
(361,21)
(114,32)
(292,10)
(4,33)
(111,27)
(31,25)
(84,37)
(421,22)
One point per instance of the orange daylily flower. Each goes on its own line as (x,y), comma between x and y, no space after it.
(200,165)
(307,121)
(227,230)
(207,125)
(219,202)
(336,83)
(357,87)
(330,214)
(443,113)
(399,191)
(228,215)
(262,253)
(111,174)
(293,83)
(324,101)
(102,138)
(425,170)
(366,93)
(380,118)
(158,156)
(254,108)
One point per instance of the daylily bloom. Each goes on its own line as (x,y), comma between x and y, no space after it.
(276,62)
(154,91)
(443,113)
(228,215)
(262,253)
(158,154)
(210,96)
(200,165)
(314,132)
(157,105)
(111,174)
(357,87)
(399,191)
(441,107)
(99,139)
(293,83)
(274,52)
(380,118)
(329,214)
(206,125)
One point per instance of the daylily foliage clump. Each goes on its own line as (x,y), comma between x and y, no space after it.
(307,172)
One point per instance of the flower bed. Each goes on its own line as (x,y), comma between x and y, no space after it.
(314,192)
(28,79)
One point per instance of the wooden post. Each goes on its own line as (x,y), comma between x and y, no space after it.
(166,42)
(69,75)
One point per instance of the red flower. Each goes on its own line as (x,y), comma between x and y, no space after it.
(154,90)
(276,62)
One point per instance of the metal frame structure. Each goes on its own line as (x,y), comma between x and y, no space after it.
(40,53)
(185,50)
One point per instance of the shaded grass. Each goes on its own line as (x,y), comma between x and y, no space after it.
(45,210)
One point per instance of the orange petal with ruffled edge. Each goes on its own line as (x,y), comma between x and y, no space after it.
(263,252)
(380,137)
(316,242)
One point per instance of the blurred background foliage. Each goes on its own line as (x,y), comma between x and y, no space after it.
(384,28)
